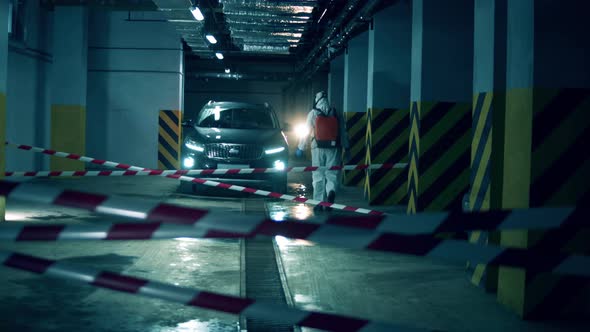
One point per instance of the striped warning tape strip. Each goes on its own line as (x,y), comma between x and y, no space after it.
(202,181)
(424,223)
(371,233)
(192,297)
(169,139)
(207,224)
(216,171)
(74,156)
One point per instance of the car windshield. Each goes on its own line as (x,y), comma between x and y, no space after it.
(237,118)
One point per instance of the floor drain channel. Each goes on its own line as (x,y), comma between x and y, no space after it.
(263,280)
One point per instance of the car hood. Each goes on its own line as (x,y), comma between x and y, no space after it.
(238,136)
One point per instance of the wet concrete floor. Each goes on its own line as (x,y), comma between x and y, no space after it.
(404,290)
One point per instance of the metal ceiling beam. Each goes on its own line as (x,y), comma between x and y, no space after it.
(115,5)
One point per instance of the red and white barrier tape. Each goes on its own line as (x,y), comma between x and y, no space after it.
(192,297)
(372,233)
(421,224)
(192,172)
(199,181)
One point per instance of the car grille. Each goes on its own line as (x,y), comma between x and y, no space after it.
(233,151)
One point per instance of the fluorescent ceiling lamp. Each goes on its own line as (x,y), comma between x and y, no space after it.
(211,39)
(197,13)
(219,55)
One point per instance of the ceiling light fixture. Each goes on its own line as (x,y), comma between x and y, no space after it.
(197,13)
(211,39)
(322,16)
(219,55)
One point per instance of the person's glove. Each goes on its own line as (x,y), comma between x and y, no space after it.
(299,153)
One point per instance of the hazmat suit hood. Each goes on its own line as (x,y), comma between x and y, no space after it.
(321,102)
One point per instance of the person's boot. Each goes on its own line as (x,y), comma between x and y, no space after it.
(331,198)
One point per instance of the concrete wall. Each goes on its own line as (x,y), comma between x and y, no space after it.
(134,71)
(28,91)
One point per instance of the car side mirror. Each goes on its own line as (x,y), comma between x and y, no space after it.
(188,123)
(287,127)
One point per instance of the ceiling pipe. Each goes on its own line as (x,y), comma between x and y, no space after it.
(333,42)
(239,76)
(331,33)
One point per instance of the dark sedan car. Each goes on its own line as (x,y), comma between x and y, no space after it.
(237,135)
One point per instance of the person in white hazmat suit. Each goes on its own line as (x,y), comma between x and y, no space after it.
(327,132)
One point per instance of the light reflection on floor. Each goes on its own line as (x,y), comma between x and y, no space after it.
(282,210)
(196,325)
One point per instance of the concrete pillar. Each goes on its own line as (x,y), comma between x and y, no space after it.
(545,160)
(389,50)
(388,100)
(489,101)
(69,77)
(441,95)
(355,74)
(336,82)
(134,72)
(3,74)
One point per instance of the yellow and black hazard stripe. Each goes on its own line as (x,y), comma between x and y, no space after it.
(481,153)
(169,139)
(549,296)
(481,275)
(414,157)
(356,127)
(560,175)
(560,164)
(386,139)
(440,140)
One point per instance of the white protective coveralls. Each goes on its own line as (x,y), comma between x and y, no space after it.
(324,181)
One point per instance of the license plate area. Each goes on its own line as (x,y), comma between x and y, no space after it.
(230,166)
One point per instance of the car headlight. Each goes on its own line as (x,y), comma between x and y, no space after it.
(279,165)
(188,162)
(189,143)
(274,150)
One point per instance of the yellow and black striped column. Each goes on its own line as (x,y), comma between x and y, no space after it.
(560,162)
(356,127)
(486,160)
(440,140)
(557,173)
(169,139)
(386,139)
